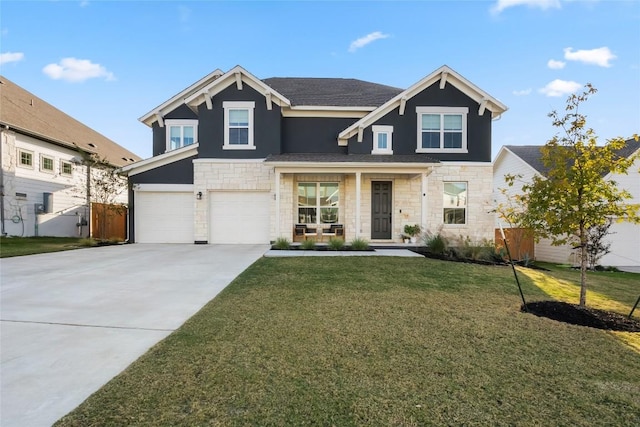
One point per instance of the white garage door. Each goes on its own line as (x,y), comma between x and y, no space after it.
(239,217)
(163,217)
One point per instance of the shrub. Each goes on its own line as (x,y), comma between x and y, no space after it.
(359,244)
(437,244)
(282,243)
(336,244)
(308,244)
(412,230)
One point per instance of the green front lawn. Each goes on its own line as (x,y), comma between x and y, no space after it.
(373,341)
(15,246)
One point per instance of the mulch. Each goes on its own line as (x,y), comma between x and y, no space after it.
(583,316)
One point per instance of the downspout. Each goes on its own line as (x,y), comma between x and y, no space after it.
(2,130)
(89,217)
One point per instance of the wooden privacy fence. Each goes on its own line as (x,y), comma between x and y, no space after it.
(520,241)
(108,221)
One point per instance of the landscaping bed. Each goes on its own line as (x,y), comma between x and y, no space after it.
(583,316)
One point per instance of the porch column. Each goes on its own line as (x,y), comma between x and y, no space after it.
(358,187)
(423,216)
(277,204)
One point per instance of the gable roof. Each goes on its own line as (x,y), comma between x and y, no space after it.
(25,113)
(444,75)
(178,99)
(533,157)
(335,92)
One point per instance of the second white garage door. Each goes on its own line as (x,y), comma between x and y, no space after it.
(239,217)
(163,217)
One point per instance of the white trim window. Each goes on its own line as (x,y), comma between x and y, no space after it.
(318,197)
(238,125)
(442,129)
(46,164)
(454,203)
(25,158)
(181,133)
(66,168)
(382,139)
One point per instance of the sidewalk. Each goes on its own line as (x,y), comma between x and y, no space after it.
(375,252)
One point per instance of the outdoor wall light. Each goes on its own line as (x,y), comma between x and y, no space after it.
(199,195)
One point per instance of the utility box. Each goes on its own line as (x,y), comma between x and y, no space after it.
(38,208)
(47,201)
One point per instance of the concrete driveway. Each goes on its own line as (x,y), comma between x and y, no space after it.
(71,321)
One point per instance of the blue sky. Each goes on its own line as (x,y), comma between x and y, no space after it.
(106,63)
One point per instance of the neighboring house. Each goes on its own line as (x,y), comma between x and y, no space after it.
(44,179)
(625,237)
(237,159)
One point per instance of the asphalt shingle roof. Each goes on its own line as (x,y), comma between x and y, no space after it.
(531,153)
(333,92)
(355,158)
(26,113)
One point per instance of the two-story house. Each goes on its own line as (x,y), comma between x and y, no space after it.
(47,185)
(237,159)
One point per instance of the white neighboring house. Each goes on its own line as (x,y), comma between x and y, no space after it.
(43,178)
(525,160)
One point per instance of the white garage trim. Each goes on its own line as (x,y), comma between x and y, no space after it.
(239,217)
(164,187)
(163,217)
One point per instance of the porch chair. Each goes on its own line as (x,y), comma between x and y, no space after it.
(334,230)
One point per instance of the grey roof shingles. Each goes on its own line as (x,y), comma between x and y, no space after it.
(334,92)
(531,153)
(350,158)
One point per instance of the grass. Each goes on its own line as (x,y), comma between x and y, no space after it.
(373,342)
(16,246)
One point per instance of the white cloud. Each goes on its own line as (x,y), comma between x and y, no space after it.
(600,56)
(560,88)
(523,92)
(363,41)
(556,65)
(7,57)
(76,70)
(542,4)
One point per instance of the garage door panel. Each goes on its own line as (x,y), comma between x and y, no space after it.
(239,217)
(162,217)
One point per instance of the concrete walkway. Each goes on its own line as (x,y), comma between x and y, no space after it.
(71,321)
(376,252)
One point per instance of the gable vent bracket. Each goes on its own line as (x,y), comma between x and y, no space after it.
(443,79)
(403,104)
(483,106)
(159,119)
(239,81)
(360,133)
(267,97)
(207,99)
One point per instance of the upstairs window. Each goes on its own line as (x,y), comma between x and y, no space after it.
(181,133)
(238,125)
(382,139)
(66,168)
(442,129)
(25,158)
(455,203)
(46,163)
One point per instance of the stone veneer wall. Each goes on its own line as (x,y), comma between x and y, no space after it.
(407,197)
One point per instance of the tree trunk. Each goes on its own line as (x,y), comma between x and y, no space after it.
(583,266)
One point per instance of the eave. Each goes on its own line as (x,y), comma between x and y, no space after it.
(158,113)
(160,160)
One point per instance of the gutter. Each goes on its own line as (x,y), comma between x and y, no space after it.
(2,230)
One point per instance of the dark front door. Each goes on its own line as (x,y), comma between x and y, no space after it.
(381,210)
